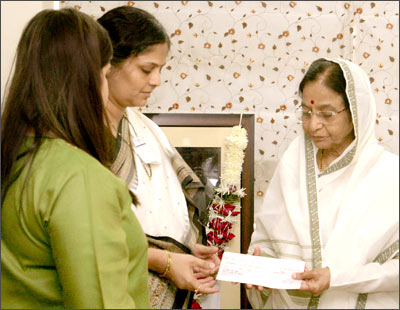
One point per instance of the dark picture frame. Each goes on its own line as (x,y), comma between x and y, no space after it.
(225,120)
(206,162)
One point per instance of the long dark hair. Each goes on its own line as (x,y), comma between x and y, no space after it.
(132,30)
(333,77)
(56,87)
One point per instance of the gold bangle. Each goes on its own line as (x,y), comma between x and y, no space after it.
(167,269)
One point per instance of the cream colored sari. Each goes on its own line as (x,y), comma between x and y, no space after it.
(346,217)
(163,293)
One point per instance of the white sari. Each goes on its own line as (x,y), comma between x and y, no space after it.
(346,217)
(163,211)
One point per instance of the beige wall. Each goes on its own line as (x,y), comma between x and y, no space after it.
(249,56)
(14,16)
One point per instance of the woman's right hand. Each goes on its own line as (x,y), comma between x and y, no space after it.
(183,274)
(257,252)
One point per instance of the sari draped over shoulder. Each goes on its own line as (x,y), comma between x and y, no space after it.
(163,293)
(346,217)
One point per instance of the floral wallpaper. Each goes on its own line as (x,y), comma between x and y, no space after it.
(249,57)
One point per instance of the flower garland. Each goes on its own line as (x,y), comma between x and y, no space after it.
(226,202)
(225,205)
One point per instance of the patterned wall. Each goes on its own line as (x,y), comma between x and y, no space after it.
(249,56)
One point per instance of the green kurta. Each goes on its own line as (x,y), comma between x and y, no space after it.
(71,239)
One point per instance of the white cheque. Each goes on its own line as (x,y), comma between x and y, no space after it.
(259,270)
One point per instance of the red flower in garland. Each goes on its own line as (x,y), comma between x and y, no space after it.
(230,208)
(220,253)
(195,305)
(227,236)
(213,238)
(220,225)
(225,209)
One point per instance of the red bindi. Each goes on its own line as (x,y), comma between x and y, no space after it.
(312,101)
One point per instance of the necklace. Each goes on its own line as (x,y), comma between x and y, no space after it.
(118,131)
(320,160)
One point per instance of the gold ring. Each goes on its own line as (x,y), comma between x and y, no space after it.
(196,291)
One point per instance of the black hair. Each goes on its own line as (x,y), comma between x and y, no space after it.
(56,88)
(331,74)
(132,31)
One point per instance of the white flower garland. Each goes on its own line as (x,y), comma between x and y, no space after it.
(226,202)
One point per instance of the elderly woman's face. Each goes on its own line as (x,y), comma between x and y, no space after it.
(332,133)
(132,83)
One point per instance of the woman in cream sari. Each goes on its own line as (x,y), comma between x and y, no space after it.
(173,201)
(333,200)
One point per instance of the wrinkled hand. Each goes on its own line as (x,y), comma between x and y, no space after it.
(256,252)
(315,281)
(209,254)
(183,275)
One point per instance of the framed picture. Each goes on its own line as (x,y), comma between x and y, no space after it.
(199,138)
(206,162)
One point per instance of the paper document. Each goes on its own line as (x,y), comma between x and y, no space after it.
(259,270)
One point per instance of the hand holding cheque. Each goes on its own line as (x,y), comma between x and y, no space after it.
(265,272)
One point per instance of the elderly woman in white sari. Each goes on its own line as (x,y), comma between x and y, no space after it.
(333,200)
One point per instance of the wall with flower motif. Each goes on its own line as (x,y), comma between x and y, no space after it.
(249,56)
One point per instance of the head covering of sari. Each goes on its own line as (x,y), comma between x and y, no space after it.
(343,218)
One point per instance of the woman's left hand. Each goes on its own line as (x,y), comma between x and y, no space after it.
(207,253)
(315,281)
(182,273)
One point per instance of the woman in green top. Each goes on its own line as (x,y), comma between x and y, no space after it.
(69,238)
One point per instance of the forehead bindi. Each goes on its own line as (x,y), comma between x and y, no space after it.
(317,94)
(310,104)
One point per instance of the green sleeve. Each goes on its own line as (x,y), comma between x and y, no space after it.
(89,244)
